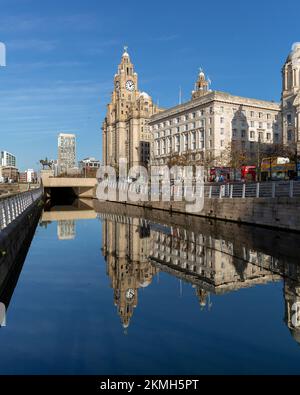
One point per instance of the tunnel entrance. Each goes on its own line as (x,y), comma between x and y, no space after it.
(61,196)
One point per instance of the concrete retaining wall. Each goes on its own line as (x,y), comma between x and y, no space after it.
(282,213)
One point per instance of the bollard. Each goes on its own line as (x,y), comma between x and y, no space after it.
(257,189)
(291,189)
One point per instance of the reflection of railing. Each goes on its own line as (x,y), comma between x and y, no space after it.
(12,207)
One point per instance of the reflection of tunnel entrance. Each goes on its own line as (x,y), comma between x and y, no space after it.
(62,196)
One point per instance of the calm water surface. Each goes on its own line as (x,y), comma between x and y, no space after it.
(107,293)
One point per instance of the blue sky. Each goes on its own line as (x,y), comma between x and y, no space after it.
(62,56)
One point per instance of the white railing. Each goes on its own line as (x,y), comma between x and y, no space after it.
(268,189)
(273,189)
(12,207)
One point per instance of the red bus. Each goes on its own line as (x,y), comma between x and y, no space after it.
(223,174)
(248,173)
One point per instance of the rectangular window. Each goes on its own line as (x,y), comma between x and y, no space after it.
(221,120)
(177,144)
(252,124)
(193,140)
(252,134)
(222,131)
(243,133)
(268,136)
(186,142)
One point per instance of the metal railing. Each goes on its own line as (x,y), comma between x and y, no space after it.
(268,189)
(12,207)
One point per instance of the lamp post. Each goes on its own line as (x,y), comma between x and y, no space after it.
(258,158)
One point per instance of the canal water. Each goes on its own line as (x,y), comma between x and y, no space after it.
(106,289)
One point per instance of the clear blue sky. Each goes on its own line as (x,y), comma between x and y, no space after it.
(62,56)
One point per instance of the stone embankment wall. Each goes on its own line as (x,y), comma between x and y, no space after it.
(281,212)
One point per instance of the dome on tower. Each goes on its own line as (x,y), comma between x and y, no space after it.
(145,283)
(295,48)
(145,95)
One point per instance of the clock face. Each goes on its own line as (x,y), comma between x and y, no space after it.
(130,294)
(130,85)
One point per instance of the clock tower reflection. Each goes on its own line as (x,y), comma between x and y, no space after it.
(125,248)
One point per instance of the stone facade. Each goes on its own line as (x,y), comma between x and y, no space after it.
(125,131)
(291,98)
(206,128)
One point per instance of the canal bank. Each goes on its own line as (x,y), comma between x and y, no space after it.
(19,218)
(273,207)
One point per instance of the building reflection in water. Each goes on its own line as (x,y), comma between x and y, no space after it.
(66,216)
(125,246)
(66,230)
(292,307)
(213,262)
(136,250)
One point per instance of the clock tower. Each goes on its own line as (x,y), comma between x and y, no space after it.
(125,131)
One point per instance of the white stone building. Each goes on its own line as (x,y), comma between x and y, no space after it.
(291,98)
(207,127)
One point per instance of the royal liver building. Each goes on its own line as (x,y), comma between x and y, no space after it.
(125,129)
